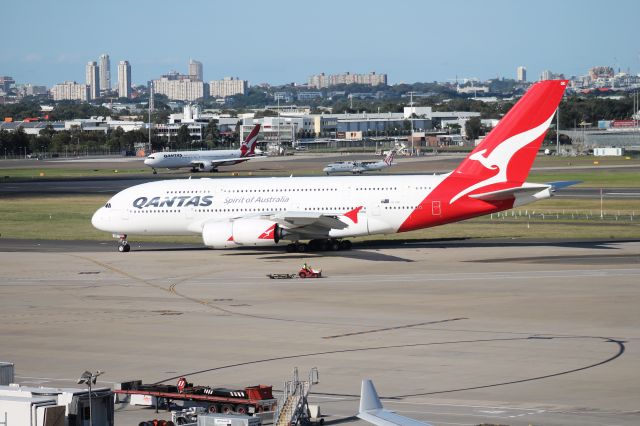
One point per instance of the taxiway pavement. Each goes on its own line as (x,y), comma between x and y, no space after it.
(451,333)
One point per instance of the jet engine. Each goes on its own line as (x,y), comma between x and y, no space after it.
(241,232)
(206,166)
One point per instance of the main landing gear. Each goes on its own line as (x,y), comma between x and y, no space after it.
(123,245)
(319,245)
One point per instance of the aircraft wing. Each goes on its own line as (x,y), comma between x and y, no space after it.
(372,411)
(308,224)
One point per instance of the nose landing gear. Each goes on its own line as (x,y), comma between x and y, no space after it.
(123,245)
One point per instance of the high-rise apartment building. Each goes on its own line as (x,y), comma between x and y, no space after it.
(70,91)
(93,79)
(521,74)
(5,83)
(195,70)
(124,79)
(228,86)
(372,79)
(105,72)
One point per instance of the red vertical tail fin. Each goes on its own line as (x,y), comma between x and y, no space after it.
(501,162)
(248,147)
(508,151)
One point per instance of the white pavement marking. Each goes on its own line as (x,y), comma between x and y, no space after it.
(50,379)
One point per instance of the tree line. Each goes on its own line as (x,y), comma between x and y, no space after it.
(574,112)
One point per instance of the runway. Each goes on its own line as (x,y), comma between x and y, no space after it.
(112,185)
(452,332)
(300,164)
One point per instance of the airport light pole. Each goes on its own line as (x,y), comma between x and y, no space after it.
(411,118)
(558,131)
(89,379)
(150,108)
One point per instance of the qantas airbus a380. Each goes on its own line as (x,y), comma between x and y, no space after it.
(325,210)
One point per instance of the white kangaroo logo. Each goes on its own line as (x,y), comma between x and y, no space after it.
(499,158)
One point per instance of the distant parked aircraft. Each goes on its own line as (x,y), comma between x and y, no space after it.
(206,161)
(359,167)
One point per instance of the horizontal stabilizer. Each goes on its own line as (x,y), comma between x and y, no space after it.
(371,409)
(510,193)
(563,184)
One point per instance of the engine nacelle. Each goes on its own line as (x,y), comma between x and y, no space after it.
(241,232)
(218,235)
(206,166)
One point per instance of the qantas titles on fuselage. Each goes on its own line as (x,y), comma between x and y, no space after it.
(263,211)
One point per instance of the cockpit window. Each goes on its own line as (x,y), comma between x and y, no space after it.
(107,206)
(151,157)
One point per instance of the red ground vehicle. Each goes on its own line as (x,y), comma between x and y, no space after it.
(309,273)
(247,401)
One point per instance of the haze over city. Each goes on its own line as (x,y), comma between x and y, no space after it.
(287,41)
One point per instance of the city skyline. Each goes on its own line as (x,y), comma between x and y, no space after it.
(279,43)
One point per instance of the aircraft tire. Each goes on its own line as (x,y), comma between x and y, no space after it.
(124,248)
(333,245)
(345,245)
(301,248)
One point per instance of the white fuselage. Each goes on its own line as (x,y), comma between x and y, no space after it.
(354,166)
(178,159)
(182,207)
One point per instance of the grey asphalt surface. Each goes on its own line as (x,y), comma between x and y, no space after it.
(451,332)
(109,186)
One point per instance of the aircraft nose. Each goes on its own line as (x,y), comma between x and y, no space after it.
(99,219)
(147,161)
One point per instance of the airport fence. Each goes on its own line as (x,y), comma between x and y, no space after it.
(566,215)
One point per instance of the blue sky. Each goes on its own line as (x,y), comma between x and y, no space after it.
(46,42)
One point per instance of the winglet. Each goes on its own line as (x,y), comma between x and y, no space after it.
(369,399)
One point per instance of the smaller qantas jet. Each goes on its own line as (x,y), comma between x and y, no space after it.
(207,161)
(359,167)
(325,211)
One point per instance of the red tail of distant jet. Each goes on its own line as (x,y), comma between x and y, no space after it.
(248,147)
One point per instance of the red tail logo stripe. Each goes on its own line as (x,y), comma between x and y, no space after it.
(248,147)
